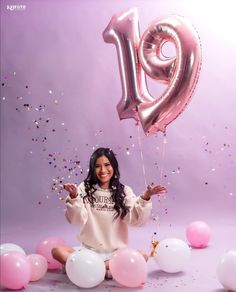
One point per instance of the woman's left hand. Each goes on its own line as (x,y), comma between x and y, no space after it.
(153,190)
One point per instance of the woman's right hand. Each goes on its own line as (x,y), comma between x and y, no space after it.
(72,189)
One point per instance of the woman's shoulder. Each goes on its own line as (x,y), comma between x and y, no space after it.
(128,190)
(81,185)
(81,188)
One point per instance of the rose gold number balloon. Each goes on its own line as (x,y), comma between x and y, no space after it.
(180,72)
(123,31)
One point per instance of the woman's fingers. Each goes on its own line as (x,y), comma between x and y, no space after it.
(69,187)
(157,189)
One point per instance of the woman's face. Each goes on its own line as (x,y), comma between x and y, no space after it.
(104,171)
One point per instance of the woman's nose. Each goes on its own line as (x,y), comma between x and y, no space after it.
(103,168)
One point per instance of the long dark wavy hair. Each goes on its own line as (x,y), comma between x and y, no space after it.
(115,186)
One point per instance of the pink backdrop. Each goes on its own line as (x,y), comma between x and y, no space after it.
(60,85)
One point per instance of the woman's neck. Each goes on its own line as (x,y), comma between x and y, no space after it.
(104,186)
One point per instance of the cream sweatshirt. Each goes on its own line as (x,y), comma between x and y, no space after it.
(98,230)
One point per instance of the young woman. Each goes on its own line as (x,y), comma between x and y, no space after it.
(104,207)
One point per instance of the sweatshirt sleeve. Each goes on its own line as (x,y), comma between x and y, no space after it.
(76,212)
(140,209)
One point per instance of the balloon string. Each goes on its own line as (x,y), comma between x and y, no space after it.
(141,154)
(163,152)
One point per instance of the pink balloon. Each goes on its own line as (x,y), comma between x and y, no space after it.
(180,73)
(198,234)
(39,266)
(123,31)
(14,270)
(128,267)
(45,247)
(137,57)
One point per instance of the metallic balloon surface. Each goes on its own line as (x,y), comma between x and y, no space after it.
(136,58)
(123,31)
(180,72)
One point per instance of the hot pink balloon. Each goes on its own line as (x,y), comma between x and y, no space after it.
(38,265)
(45,248)
(198,234)
(14,270)
(128,267)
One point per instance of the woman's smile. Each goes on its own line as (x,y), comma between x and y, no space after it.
(104,171)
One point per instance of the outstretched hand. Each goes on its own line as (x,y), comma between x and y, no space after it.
(153,190)
(72,189)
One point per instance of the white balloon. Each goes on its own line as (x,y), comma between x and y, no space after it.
(6,247)
(172,255)
(85,268)
(226,270)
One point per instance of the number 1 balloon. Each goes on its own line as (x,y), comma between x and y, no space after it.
(123,31)
(137,57)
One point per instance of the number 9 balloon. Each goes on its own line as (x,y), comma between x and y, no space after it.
(137,57)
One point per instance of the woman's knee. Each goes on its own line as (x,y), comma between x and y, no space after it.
(58,251)
(55,252)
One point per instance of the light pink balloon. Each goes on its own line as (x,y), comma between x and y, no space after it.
(128,267)
(39,266)
(180,72)
(123,31)
(198,234)
(14,270)
(45,247)
(137,57)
